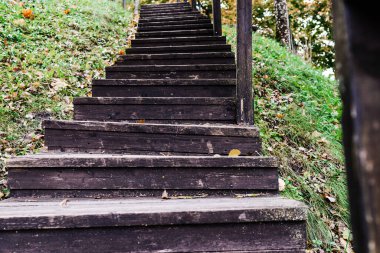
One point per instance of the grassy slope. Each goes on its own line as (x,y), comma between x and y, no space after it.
(46,61)
(298,111)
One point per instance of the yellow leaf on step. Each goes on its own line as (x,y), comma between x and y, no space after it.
(141,121)
(234,152)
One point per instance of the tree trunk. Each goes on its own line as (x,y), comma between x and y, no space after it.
(136,9)
(282,23)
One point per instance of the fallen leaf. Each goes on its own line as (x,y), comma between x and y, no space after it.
(1,194)
(67,11)
(234,153)
(122,52)
(27,13)
(280,116)
(140,121)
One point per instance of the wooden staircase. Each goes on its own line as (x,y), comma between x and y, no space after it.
(144,165)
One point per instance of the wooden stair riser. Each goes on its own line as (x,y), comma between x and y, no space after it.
(165,13)
(180,49)
(163,88)
(176,59)
(170,23)
(167,10)
(160,110)
(268,237)
(114,176)
(196,74)
(180,33)
(175,27)
(140,182)
(179,15)
(172,18)
(176,41)
(163,6)
(142,143)
(191,225)
(128,138)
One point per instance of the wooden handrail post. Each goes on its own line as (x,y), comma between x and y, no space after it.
(217,17)
(194,4)
(244,62)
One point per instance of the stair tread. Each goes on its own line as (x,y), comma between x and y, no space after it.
(76,213)
(177,55)
(164,82)
(153,100)
(155,68)
(206,129)
(69,160)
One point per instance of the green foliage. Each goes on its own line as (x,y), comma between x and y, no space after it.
(298,110)
(50,58)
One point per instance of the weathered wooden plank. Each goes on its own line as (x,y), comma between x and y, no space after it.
(206,130)
(115,89)
(174,27)
(244,62)
(134,212)
(177,18)
(206,71)
(52,160)
(118,110)
(144,178)
(141,193)
(179,49)
(152,101)
(165,13)
(181,33)
(133,143)
(221,238)
(170,23)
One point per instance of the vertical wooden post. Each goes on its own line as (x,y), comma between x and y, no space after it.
(194,4)
(244,62)
(217,17)
(125,4)
(358,55)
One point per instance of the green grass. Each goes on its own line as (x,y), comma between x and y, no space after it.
(48,60)
(298,112)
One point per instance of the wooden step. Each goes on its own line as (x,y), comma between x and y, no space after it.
(178,33)
(177,58)
(114,176)
(176,41)
(156,109)
(165,13)
(164,88)
(201,71)
(172,18)
(167,10)
(268,224)
(163,6)
(175,27)
(179,49)
(168,23)
(149,138)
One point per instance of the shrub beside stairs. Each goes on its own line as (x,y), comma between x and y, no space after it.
(144,165)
